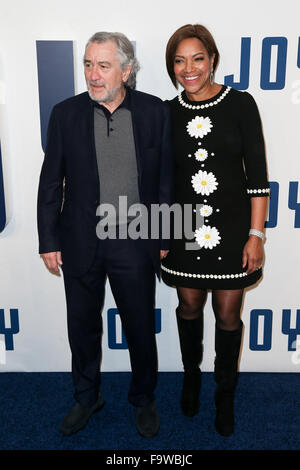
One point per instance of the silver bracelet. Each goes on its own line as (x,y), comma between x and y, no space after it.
(259,234)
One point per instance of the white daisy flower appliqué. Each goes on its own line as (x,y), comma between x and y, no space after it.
(206,211)
(201,155)
(204,183)
(207,237)
(199,127)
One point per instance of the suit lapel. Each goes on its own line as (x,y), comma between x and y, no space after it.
(91,139)
(137,120)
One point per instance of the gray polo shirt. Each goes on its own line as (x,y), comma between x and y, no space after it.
(116,158)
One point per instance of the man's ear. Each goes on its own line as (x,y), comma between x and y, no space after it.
(125,73)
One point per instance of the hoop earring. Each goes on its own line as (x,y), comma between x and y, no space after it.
(211,76)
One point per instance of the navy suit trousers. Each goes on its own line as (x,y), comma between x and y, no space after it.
(131,275)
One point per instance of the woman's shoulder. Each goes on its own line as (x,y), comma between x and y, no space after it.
(242,96)
(244,104)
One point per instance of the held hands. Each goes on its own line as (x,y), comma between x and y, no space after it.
(163,253)
(52,261)
(253,254)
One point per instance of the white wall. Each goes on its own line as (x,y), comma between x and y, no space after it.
(25,284)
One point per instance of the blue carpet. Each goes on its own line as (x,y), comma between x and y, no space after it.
(32,406)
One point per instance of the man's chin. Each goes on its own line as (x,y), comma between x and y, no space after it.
(98,98)
(107,97)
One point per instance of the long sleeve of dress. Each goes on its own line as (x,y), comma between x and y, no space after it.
(253,148)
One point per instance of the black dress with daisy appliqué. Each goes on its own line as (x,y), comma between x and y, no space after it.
(219,165)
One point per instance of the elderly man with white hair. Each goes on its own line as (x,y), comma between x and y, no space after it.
(107,143)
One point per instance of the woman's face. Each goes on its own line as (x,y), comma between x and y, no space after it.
(192,66)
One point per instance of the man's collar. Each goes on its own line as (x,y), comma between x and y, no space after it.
(125,103)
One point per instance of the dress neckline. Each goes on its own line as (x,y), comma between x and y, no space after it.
(185,102)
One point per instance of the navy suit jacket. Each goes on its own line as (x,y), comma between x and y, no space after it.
(69,190)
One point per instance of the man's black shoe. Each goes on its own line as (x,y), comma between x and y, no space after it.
(78,417)
(147,420)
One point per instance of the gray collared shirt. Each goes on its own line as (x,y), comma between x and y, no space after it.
(116,158)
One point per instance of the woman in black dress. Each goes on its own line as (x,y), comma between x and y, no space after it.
(220,171)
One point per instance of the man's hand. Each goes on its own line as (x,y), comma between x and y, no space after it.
(52,260)
(163,253)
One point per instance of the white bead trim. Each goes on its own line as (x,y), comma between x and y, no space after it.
(204,276)
(203,106)
(258,191)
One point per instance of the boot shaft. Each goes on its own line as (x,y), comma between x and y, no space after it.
(227,347)
(190,338)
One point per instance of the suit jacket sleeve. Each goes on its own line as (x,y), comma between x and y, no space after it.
(166,189)
(50,192)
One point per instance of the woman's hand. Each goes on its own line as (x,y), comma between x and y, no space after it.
(253,254)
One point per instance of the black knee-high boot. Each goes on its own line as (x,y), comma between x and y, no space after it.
(190,338)
(227,346)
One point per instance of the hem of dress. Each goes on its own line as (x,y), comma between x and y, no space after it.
(210,284)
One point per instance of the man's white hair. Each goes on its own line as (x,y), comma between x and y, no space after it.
(125,51)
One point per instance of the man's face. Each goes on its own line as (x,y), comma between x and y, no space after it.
(103,74)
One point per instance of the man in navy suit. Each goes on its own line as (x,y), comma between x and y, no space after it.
(107,143)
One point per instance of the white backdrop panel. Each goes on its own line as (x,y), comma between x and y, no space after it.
(26,286)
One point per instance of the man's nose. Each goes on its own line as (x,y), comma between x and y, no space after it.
(95,73)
